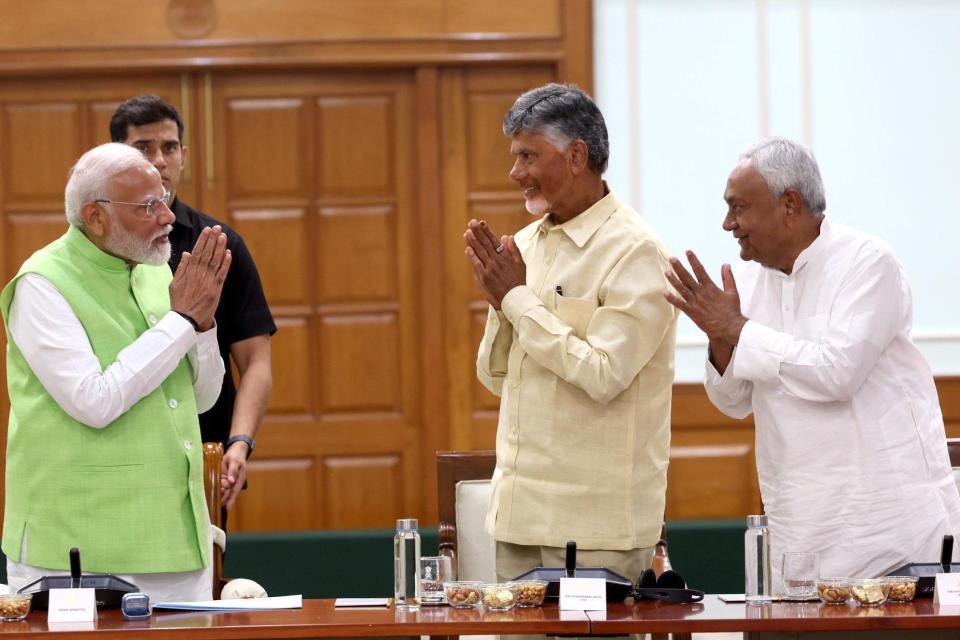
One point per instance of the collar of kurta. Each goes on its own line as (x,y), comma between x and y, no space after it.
(807,255)
(78,241)
(582,227)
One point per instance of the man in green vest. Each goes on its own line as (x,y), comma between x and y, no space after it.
(109,359)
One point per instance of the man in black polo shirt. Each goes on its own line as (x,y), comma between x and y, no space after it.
(244,322)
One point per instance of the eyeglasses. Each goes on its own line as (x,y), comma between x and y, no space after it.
(151,207)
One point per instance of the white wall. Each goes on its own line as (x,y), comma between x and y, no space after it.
(872,86)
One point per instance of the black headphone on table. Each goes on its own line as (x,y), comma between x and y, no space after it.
(670,586)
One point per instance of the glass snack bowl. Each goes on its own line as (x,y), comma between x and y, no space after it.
(14,606)
(501,596)
(870,592)
(532,593)
(463,594)
(833,590)
(902,588)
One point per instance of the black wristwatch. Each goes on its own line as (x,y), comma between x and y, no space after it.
(240,438)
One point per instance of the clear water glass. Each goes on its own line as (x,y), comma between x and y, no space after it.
(800,570)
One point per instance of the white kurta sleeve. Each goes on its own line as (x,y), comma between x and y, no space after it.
(208,368)
(55,346)
(622,334)
(731,396)
(864,318)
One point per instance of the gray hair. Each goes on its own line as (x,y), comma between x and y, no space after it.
(91,175)
(784,164)
(563,113)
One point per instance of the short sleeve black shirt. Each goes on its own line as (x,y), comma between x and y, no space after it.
(243,312)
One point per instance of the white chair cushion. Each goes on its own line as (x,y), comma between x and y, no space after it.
(476,550)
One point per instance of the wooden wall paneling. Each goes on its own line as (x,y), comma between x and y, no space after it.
(249,33)
(949,391)
(330,224)
(576,64)
(476,185)
(712,471)
(431,275)
(293,380)
(458,279)
(281,495)
(350,497)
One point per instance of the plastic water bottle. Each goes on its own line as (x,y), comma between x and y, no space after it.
(406,565)
(758,587)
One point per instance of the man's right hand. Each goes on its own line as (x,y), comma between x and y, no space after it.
(195,290)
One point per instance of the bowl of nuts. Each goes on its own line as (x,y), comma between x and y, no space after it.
(499,597)
(14,606)
(464,594)
(870,592)
(532,593)
(833,590)
(902,588)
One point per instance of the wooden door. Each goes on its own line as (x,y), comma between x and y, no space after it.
(316,171)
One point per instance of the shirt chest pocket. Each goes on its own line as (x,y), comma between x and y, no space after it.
(576,312)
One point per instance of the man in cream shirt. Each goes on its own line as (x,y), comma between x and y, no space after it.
(813,339)
(579,345)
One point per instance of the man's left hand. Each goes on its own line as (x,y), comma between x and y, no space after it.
(496,271)
(716,311)
(233,473)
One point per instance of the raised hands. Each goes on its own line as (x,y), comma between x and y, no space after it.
(497,264)
(716,311)
(195,290)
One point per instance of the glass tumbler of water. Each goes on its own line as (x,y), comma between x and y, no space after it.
(800,570)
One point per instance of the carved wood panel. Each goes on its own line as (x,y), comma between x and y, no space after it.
(315,171)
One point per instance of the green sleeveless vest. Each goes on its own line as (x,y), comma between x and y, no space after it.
(130,495)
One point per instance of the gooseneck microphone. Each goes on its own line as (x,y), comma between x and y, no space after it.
(75,572)
(946,553)
(570,560)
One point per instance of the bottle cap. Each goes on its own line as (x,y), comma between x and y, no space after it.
(407,524)
(755,521)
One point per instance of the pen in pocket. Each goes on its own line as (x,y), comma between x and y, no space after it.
(559,290)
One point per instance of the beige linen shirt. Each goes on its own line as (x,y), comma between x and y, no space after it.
(582,358)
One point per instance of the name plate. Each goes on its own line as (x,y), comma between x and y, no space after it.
(72,605)
(583,594)
(946,589)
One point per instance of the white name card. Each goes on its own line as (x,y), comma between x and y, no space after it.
(72,605)
(946,589)
(583,594)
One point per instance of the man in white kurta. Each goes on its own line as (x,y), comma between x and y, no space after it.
(850,443)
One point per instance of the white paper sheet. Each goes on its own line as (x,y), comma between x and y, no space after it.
(362,602)
(246,604)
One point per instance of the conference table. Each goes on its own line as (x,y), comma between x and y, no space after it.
(320,619)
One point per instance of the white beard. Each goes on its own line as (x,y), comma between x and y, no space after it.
(126,245)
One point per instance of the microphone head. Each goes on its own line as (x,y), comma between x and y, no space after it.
(75,571)
(571,558)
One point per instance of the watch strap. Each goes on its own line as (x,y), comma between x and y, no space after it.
(240,438)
